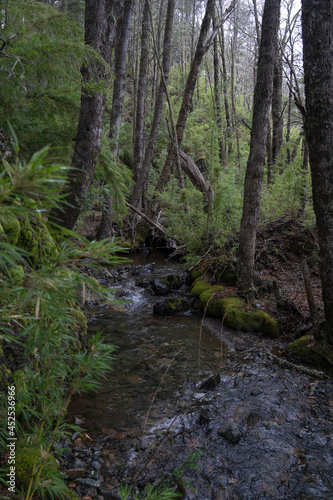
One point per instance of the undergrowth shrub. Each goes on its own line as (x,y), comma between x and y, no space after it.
(44,353)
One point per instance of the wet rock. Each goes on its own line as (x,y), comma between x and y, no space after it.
(230,432)
(75,473)
(92,492)
(160,287)
(78,464)
(210,383)
(96,465)
(89,482)
(107,491)
(170,306)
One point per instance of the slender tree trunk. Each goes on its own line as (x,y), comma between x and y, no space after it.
(188,93)
(105,228)
(277,114)
(256,160)
(100,29)
(217,100)
(225,94)
(317,27)
(305,167)
(142,179)
(139,131)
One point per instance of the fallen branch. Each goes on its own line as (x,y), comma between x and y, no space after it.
(300,368)
(144,216)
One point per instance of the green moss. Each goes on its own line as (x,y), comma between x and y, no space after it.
(70,495)
(198,287)
(36,239)
(309,351)
(237,319)
(229,303)
(173,303)
(209,302)
(28,457)
(195,274)
(17,273)
(11,227)
(262,322)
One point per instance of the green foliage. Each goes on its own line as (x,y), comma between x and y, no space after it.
(40,80)
(149,493)
(291,184)
(42,327)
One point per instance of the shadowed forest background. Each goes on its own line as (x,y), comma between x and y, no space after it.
(200,128)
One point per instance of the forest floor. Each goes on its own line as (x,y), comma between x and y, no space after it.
(281,249)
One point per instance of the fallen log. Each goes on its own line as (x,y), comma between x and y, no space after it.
(193,173)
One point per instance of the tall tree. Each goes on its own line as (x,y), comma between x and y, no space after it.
(104,229)
(141,180)
(256,161)
(100,32)
(317,27)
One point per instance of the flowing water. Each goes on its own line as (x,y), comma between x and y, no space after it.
(264,432)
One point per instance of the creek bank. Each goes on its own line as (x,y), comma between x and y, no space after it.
(176,389)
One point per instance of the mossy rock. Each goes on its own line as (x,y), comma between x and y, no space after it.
(11,228)
(209,302)
(198,287)
(310,351)
(195,274)
(29,456)
(170,306)
(262,322)
(236,318)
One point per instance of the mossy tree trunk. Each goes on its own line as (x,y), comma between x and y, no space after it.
(317,27)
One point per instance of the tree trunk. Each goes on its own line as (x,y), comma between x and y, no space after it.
(225,94)
(277,114)
(100,29)
(217,100)
(142,179)
(258,142)
(188,93)
(317,27)
(139,131)
(123,33)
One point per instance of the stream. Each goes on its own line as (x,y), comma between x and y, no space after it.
(182,394)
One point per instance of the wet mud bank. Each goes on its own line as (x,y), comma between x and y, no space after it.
(197,406)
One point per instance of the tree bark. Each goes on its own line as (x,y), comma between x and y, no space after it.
(139,131)
(277,113)
(217,100)
(123,33)
(256,160)
(317,28)
(143,177)
(100,30)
